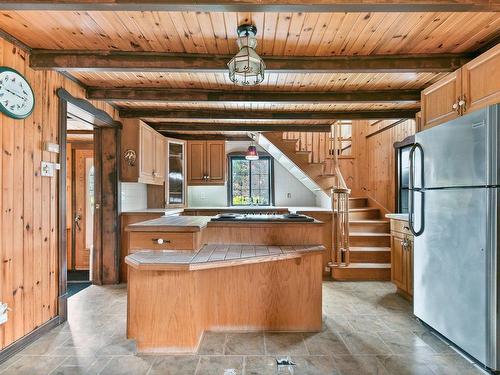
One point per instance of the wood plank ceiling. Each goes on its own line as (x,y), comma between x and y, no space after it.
(283,35)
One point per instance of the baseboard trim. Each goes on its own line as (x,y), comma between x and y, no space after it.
(24,341)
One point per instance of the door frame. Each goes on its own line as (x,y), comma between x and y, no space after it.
(101,120)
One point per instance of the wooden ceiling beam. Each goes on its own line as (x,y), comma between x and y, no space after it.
(148,113)
(256,5)
(170,127)
(169,95)
(206,136)
(101,61)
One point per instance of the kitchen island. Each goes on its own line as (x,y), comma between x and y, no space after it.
(195,274)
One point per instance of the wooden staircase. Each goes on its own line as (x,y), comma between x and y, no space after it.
(369,233)
(370,244)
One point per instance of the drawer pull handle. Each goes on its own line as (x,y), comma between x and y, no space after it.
(160,241)
(407,228)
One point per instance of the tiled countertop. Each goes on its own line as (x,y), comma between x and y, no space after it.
(214,256)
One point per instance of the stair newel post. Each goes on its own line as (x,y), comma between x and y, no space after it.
(340,208)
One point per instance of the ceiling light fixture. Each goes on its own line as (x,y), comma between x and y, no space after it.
(252,153)
(246,68)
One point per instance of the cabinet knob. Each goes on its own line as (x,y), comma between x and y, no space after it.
(455,106)
(160,241)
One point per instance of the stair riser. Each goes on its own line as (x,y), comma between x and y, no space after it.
(363,274)
(367,241)
(358,203)
(364,215)
(370,257)
(369,227)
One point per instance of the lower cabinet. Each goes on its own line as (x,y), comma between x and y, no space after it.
(402,260)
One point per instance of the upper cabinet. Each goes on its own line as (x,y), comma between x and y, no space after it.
(474,86)
(206,162)
(143,153)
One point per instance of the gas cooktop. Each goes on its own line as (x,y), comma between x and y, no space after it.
(271,217)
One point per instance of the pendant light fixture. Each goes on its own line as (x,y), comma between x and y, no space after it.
(252,153)
(246,68)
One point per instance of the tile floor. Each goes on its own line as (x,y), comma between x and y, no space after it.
(368,329)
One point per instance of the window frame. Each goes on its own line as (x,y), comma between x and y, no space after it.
(399,147)
(240,156)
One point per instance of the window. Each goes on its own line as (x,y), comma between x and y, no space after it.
(251,181)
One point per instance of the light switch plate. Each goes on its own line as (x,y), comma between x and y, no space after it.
(47,169)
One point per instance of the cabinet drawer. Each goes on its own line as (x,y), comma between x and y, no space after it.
(400,226)
(171,241)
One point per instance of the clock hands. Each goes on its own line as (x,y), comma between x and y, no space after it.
(15,94)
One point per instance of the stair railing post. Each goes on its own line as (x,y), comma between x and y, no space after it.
(340,209)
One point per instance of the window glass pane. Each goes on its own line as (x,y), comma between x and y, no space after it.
(250,181)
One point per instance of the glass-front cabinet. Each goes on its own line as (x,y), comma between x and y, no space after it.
(176,173)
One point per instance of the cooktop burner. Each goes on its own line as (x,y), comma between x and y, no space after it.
(263,217)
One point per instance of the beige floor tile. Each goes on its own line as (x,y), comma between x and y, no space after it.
(174,365)
(405,343)
(244,343)
(128,365)
(260,365)
(31,365)
(325,343)
(212,343)
(285,343)
(359,365)
(365,343)
(220,365)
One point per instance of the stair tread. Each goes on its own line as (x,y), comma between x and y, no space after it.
(369,248)
(369,234)
(374,221)
(363,209)
(354,198)
(367,265)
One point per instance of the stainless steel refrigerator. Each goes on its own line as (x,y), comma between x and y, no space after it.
(454,215)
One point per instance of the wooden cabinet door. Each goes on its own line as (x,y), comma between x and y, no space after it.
(159,159)
(398,274)
(196,157)
(409,269)
(146,149)
(481,80)
(438,100)
(216,162)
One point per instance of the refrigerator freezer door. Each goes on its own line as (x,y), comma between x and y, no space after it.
(450,267)
(460,153)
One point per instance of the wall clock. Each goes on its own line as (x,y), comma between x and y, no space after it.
(16,96)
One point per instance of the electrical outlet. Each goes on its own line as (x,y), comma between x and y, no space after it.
(47,169)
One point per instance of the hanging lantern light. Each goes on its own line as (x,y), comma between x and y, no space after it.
(246,68)
(252,153)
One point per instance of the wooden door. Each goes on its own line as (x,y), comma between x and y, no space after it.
(82,209)
(196,162)
(481,80)
(398,274)
(216,162)
(440,101)
(159,159)
(146,149)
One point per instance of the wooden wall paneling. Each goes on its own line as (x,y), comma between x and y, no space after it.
(29,203)
(374,161)
(7,211)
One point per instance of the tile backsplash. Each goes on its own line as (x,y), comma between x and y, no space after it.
(134,196)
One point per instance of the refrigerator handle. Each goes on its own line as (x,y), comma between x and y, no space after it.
(411,186)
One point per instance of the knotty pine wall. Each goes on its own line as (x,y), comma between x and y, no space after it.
(28,202)
(371,173)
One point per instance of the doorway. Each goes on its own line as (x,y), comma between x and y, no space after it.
(88,214)
(80,187)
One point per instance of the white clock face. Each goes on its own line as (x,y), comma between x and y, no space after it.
(16,96)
